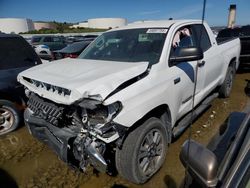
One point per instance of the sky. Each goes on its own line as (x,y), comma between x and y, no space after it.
(133,10)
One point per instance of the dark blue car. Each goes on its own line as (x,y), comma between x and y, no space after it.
(16,55)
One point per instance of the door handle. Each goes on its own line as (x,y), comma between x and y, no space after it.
(201,63)
(177,80)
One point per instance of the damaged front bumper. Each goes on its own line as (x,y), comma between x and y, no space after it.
(77,150)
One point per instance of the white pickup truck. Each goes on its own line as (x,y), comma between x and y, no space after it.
(130,91)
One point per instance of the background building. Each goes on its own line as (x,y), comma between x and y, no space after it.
(81,24)
(102,23)
(43,25)
(16,25)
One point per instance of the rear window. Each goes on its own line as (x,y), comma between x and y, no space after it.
(224,34)
(15,52)
(75,47)
(229,33)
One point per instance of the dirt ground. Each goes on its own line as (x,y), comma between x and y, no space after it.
(26,163)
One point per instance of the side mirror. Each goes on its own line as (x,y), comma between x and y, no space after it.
(1,119)
(201,163)
(186,54)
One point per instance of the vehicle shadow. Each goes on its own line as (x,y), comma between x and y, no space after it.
(169,182)
(118,186)
(6,180)
(247,88)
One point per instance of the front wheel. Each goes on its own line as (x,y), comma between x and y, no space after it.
(10,117)
(226,87)
(143,151)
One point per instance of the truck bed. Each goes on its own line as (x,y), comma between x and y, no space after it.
(224,40)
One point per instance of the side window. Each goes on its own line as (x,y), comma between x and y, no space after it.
(56,39)
(184,37)
(202,37)
(47,39)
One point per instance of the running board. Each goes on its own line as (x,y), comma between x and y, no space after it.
(185,122)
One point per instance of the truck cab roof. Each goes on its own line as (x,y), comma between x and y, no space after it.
(156,24)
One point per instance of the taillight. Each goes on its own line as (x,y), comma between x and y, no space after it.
(52,56)
(73,55)
(66,55)
(70,55)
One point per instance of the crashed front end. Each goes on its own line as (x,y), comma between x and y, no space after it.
(71,107)
(79,133)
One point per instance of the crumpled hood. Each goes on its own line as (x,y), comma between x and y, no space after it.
(82,77)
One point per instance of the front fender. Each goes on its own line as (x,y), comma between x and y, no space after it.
(143,96)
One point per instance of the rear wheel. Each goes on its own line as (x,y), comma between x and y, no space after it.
(226,87)
(10,117)
(143,151)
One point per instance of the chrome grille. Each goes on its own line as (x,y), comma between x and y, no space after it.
(45,110)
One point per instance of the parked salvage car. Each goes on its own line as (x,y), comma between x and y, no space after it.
(75,38)
(90,37)
(78,38)
(128,94)
(226,160)
(72,50)
(53,42)
(16,55)
(244,34)
(44,52)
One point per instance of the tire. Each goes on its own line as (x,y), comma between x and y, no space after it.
(10,117)
(226,87)
(152,136)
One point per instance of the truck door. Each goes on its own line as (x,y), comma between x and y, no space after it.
(210,66)
(185,71)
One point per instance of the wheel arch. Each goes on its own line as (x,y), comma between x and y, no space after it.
(233,62)
(157,112)
(10,97)
(162,112)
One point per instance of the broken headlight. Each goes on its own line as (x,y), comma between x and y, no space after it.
(103,114)
(97,113)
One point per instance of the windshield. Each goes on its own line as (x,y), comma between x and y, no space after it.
(132,45)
